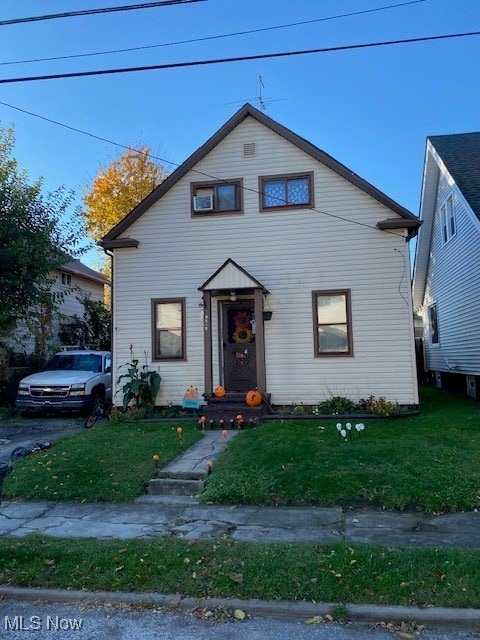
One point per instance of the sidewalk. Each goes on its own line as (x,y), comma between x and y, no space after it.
(183,517)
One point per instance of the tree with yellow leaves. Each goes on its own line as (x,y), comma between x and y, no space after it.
(118,188)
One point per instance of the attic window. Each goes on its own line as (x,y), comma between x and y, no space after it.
(447,213)
(286,191)
(249,149)
(216,197)
(66,279)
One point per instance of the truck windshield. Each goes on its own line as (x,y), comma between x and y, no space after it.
(75,362)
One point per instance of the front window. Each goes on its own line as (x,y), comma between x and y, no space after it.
(433,320)
(447,213)
(278,192)
(217,197)
(168,329)
(332,323)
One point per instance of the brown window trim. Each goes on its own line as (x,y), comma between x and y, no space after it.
(154,302)
(238,182)
(287,176)
(348,300)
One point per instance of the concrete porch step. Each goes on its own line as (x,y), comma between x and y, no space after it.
(181,475)
(172,487)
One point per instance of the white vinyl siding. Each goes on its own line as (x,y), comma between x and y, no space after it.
(452,282)
(292,253)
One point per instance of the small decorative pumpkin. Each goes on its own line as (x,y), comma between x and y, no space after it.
(219,392)
(253,398)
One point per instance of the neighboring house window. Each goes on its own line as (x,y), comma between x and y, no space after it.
(168,320)
(447,213)
(433,320)
(66,279)
(216,197)
(332,323)
(282,192)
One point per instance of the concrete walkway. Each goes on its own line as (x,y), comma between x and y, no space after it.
(183,517)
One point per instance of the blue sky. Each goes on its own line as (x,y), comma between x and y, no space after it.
(371,109)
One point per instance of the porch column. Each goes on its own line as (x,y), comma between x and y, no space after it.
(260,340)
(207,342)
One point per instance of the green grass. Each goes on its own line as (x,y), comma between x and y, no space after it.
(111,462)
(427,462)
(328,573)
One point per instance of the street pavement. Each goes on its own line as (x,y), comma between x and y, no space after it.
(104,621)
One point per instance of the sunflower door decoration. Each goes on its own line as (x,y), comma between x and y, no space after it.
(241,326)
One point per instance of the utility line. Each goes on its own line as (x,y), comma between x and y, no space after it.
(262,56)
(214,37)
(91,12)
(176,164)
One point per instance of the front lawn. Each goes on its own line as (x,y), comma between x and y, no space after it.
(427,462)
(111,462)
(318,573)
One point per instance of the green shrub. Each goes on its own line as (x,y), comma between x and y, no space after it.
(337,404)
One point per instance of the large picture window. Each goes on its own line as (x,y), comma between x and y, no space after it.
(332,323)
(168,320)
(281,192)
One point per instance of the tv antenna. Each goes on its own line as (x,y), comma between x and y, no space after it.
(260,100)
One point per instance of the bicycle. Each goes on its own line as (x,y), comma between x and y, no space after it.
(21,452)
(101,409)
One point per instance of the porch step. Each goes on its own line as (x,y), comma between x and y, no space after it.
(231,405)
(181,475)
(173,487)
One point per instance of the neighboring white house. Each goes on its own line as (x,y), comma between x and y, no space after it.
(447,264)
(263,262)
(75,281)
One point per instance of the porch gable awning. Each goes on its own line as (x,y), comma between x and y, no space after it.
(231,277)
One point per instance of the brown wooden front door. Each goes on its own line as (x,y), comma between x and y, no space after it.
(239,349)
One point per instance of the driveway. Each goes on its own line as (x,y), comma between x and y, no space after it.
(16,432)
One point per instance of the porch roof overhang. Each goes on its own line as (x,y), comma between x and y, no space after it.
(231,277)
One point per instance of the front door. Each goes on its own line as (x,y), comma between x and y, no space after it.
(239,352)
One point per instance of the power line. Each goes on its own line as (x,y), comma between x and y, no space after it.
(176,164)
(91,12)
(262,56)
(214,37)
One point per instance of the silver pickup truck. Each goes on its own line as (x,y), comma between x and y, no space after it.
(72,380)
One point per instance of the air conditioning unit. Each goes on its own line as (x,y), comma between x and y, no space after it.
(203,203)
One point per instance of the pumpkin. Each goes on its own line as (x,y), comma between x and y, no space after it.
(253,398)
(219,392)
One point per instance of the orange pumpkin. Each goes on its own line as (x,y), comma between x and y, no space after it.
(253,398)
(219,392)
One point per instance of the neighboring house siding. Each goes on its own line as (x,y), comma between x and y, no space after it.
(292,253)
(80,287)
(452,283)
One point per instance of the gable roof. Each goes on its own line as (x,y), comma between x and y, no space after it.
(460,153)
(231,276)
(77,268)
(109,241)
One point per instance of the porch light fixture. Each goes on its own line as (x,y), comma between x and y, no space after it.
(233,296)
